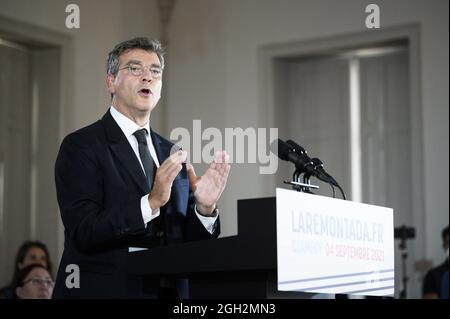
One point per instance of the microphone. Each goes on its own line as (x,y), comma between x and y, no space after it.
(303,153)
(287,152)
(294,153)
(318,167)
(299,149)
(316,164)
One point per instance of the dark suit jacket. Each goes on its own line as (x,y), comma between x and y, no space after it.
(99,183)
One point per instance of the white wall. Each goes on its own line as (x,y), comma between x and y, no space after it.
(214,76)
(102,25)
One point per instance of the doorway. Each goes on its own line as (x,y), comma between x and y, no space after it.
(33,110)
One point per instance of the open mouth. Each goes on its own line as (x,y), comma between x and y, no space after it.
(144,92)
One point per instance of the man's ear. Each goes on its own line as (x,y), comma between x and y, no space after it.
(110,83)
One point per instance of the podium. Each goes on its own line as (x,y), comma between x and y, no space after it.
(323,245)
(241,266)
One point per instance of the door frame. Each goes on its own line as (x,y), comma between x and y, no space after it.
(47,46)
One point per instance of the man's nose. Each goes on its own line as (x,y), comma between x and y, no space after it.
(147,75)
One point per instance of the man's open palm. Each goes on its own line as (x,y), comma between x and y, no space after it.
(208,188)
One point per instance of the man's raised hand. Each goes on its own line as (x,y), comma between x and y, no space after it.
(164,178)
(208,188)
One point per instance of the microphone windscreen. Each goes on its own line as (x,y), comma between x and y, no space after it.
(280,148)
(295,146)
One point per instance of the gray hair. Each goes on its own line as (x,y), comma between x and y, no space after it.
(152,45)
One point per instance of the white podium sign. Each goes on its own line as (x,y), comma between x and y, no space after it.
(328,245)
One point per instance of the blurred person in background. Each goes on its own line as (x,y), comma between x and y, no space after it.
(34,282)
(30,252)
(434,282)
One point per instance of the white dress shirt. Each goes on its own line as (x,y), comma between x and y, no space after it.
(128,127)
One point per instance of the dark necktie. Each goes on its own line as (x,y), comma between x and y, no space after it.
(146,158)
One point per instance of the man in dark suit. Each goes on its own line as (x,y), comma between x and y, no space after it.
(120,185)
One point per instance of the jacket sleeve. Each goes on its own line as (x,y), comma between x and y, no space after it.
(80,191)
(194,227)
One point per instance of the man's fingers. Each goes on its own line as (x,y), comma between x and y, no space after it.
(174,172)
(223,169)
(221,157)
(226,170)
(170,168)
(174,160)
(226,157)
(191,172)
(223,173)
(220,163)
(174,165)
(177,157)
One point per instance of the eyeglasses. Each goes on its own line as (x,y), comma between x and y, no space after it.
(40,281)
(138,70)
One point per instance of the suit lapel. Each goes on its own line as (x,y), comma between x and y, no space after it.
(121,148)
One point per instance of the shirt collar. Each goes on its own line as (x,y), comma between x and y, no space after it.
(127,126)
